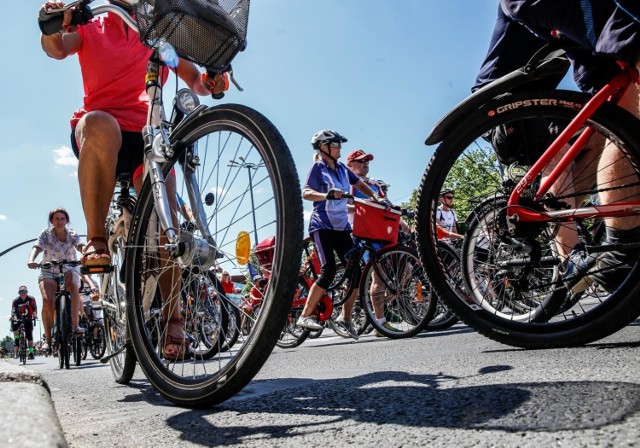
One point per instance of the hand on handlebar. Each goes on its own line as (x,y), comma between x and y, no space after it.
(217,85)
(50,8)
(336,194)
(32,265)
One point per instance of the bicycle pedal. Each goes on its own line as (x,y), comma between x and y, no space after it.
(88,270)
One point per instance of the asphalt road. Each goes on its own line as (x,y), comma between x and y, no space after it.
(441,389)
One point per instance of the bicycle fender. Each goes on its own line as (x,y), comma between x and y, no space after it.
(544,64)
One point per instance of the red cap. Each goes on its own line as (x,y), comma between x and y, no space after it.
(358,154)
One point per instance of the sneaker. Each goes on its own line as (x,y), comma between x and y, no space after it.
(348,327)
(577,265)
(610,270)
(79,330)
(392,317)
(309,322)
(30,355)
(389,327)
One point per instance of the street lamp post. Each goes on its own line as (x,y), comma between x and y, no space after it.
(249,166)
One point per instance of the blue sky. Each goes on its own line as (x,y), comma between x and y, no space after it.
(381,72)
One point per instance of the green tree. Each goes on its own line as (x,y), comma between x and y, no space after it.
(475,175)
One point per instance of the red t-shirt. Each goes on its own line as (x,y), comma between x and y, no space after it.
(228,287)
(113,64)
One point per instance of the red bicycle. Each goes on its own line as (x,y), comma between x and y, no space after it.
(532,222)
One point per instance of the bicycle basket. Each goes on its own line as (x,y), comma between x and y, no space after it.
(207,32)
(373,221)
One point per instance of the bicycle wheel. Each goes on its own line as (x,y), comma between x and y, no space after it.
(64,343)
(113,294)
(291,335)
(98,345)
(232,332)
(394,282)
(23,347)
(444,318)
(513,288)
(262,184)
(78,347)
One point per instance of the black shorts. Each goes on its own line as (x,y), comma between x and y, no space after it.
(131,153)
(28,327)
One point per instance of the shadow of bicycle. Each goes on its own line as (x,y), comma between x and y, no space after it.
(404,399)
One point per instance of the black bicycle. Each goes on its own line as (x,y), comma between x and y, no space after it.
(64,340)
(22,338)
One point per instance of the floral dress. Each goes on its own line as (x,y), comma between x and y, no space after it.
(57,250)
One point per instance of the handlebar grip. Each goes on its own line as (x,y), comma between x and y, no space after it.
(218,96)
(51,22)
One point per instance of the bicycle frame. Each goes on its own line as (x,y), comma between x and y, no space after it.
(612,92)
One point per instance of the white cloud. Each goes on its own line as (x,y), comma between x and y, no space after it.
(64,156)
(3,218)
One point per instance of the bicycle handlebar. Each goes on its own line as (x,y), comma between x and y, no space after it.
(55,263)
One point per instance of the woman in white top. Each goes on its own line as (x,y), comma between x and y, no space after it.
(58,242)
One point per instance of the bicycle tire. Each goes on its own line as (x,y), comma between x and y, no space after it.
(403,285)
(78,349)
(292,335)
(23,347)
(98,351)
(65,331)
(238,130)
(590,318)
(113,294)
(444,318)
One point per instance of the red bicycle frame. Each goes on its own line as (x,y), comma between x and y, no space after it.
(612,92)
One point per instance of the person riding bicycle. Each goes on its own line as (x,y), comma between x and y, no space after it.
(329,225)
(58,242)
(106,130)
(446,218)
(90,294)
(24,309)
(603,32)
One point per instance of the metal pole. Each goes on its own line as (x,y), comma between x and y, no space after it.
(253,209)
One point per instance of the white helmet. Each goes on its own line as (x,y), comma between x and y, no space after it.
(326,136)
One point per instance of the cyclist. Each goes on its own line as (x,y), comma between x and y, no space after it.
(58,242)
(606,31)
(106,130)
(24,309)
(329,225)
(445,215)
(90,293)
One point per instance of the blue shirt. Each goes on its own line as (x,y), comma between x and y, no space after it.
(329,215)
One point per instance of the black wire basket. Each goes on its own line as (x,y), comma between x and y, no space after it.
(207,32)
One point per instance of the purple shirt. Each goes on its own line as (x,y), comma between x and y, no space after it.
(330,215)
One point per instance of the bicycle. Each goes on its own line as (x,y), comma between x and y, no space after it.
(513,263)
(22,340)
(64,339)
(195,142)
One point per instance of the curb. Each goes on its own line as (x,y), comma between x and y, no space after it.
(27,416)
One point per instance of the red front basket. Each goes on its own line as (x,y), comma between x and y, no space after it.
(375,221)
(264,251)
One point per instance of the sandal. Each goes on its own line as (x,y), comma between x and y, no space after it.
(99,253)
(170,342)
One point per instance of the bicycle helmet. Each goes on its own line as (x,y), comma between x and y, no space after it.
(446,191)
(326,136)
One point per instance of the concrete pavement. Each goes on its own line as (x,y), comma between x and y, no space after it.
(27,415)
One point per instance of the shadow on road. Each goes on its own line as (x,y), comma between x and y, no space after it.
(399,398)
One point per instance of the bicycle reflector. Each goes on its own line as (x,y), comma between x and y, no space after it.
(243,248)
(186,101)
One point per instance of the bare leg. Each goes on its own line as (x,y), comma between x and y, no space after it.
(347,308)
(315,294)
(72,282)
(99,139)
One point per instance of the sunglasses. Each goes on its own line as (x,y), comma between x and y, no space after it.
(22,290)
(448,197)
(225,275)
(335,145)
(362,161)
